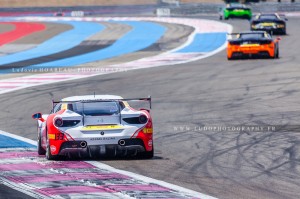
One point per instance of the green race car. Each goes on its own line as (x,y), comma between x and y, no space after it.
(236,10)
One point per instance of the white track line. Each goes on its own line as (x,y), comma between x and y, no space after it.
(101,166)
(17,137)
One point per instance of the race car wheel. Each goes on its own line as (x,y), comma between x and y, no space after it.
(229,58)
(277,54)
(284,32)
(49,156)
(147,154)
(41,150)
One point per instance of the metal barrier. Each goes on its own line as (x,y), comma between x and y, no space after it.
(209,8)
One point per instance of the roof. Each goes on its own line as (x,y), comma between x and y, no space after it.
(236,5)
(92,97)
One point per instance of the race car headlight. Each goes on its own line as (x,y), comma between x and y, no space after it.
(58,122)
(253,26)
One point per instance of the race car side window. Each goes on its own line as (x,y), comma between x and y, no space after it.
(70,107)
(56,108)
(122,105)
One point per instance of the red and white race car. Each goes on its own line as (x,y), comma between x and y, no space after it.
(95,126)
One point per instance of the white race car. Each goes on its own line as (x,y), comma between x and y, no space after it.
(95,126)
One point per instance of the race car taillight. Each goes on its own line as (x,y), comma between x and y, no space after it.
(58,122)
(143,119)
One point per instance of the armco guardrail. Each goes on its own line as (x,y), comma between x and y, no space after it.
(276,7)
(208,8)
(162,9)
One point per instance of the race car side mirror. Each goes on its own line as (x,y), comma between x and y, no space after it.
(38,116)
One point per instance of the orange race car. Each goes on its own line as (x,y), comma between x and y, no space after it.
(253,44)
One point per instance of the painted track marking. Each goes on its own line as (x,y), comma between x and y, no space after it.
(137,39)
(168,58)
(22,29)
(23,170)
(61,42)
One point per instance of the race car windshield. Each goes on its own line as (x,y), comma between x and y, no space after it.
(237,6)
(252,36)
(268,17)
(96,108)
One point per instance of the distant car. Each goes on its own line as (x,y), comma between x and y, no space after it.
(274,23)
(253,43)
(59,14)
(95,126)
(236,10)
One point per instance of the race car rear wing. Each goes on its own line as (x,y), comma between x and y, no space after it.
(147,99)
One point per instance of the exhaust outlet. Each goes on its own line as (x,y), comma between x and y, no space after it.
(83,144)
(122,142)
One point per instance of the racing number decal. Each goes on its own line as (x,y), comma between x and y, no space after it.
(148,130)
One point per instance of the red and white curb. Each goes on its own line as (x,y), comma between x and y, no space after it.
(168,58)
(25,171)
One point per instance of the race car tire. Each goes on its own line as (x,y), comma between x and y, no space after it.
(41,150)
(147,154)
(277,54)
(49,156)
(229,58)
(284,32)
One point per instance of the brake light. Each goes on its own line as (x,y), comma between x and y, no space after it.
(146,134)
(271,45)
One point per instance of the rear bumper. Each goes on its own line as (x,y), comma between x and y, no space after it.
(262,51)
(256,54)
(273,30)
(126,147)
(239,15)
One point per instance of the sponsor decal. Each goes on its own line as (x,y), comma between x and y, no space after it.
(267,24)
(249,45)
(104,127)
(53,148)
(104,138)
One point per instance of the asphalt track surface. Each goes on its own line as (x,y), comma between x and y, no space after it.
(212,91)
